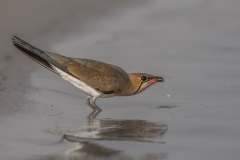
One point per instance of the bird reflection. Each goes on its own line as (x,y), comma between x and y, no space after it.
(122,130)
(86,140)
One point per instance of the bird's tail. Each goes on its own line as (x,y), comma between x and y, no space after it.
(35,54)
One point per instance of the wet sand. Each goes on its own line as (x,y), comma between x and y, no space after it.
(194,45)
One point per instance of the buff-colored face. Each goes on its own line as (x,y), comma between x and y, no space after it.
(142,81)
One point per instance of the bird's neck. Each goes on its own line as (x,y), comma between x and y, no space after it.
(130,87)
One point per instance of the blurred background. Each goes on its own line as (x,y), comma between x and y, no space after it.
(193,44)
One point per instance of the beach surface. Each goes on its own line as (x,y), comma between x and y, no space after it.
(194,114)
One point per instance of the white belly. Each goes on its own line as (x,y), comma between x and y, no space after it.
(77,83)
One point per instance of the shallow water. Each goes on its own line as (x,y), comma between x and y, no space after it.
(194,45)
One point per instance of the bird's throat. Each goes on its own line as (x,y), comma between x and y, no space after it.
(138,88)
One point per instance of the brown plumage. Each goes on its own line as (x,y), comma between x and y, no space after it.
(96,78)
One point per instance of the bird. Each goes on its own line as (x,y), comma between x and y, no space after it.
(97,79)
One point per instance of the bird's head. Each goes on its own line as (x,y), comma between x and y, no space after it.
(141,81)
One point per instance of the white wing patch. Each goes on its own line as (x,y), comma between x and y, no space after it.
(77,83)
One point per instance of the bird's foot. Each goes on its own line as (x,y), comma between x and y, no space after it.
(94,114)
(96,107)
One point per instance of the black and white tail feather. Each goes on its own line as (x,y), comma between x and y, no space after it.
(38,55)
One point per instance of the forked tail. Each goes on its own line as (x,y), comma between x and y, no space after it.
(37,55)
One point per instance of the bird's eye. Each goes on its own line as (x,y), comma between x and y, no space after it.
(144,78)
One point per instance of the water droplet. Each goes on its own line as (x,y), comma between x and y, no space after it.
(168,95)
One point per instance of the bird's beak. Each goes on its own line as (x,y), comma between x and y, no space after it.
(156,79)
(159,79)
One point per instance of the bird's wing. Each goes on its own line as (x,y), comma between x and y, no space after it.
(103,77)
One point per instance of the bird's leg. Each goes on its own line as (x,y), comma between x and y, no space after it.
(89,103)
(95,108)
(94,104)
